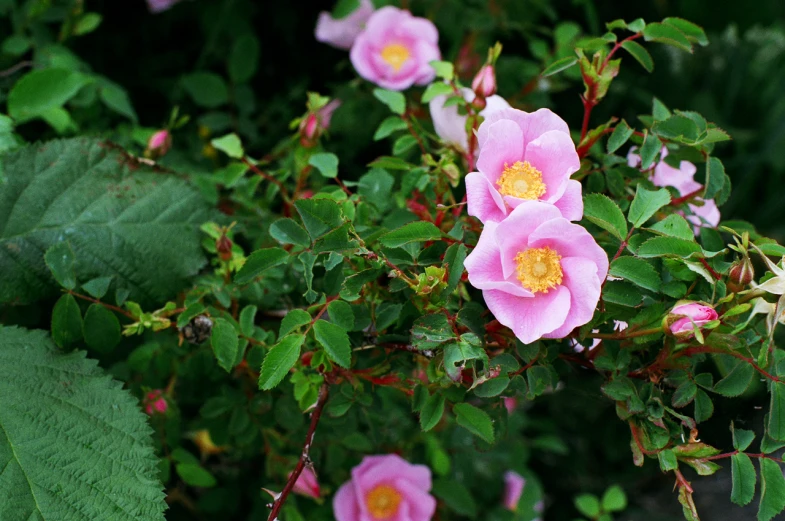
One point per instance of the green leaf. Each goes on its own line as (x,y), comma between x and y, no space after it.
(70,435)
(668,246)
(287,231)
(614,499)
(667,34)
(326,163)
(259,261)
(417,231)
(736,381)
(651,147)
(474,420)
(207,89)
(776,425)
(743,478)
(675,226)
(668,460)
(319,215)
(225,343)
(393,99)
(101,329)
(772,490)
(715,178)
(230,145)
(559,65)
(403,144)
(692,31)
(684,394)
(97,287)
(704,407)
(124,218)
(341,314)
(645,205)
(244,58)
(390,125)
(444,69)
(66,321)
(588,505)
(87,23)
(375,187)
(603,212)
(454,258)
(116,98)
(279,360)
(640,53)
(432,412)
(335,342)
(195,475)
(247,318)
(637,271)
(41,90)
(434,90)
(456,497)
(742,438)
(60,261)
(430,331)
(679,128)
(344,8)
(621,133)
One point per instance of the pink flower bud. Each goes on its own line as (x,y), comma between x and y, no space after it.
(159,144)
(484,83)
(155,403)
(741,273)
(513,488)
(510,404)
(307,484)
(309,129)
(684,318)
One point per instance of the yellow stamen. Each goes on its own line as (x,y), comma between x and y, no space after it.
(396,55)
(521,180)
(539,269)
(383,501)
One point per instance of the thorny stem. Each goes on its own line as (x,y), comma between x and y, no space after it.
(685,198)
(729,454)
(324,391)
(407,118)
(682,481)
(265,175)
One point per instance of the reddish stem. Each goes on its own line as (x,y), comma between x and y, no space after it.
(104,304)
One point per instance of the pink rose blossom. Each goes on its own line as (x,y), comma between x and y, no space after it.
(451,126)
(159,6)
(484,83)
(315,123)
(694,314)
(159,144)
(342,32)
(540,274)
(395,49)
(513,488)
(155,403)
(386,488)
(523,157)
(307,484)
(704,213)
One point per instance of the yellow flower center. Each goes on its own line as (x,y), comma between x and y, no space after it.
(539,269)
(521,180)
(395,55)
(383,501)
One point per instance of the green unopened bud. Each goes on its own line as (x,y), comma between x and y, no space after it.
(433,280)
(741,274)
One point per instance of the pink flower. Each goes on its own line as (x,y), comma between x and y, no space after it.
(484,83)
(159,144)
(386,488)
(510,404)
(342,32)
(540,274)
(513,488)
(395,49)
(682,179)
(159,6)
(307,485)
(524,157)
(451,126)
(693,315)
(155,403)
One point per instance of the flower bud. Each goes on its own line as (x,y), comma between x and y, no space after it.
(307,484)
(479,103)
(484,83)
(741,273)
(158,144)
(309,130)
(684,318)
(155,403)
(224,247)
(513,489)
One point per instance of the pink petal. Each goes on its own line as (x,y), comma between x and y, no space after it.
(425,52)
(345,504)
(570,204)
(580,276)
(708,214)
(530,318)
(503,146)
(483,200)
(493,104)
(531,124)
(343,32)
(423,28)
(421,505)
(513,233)
(448,123)
(680,178)
(484,265)
(553,153)
(569,240)
(513,488)
(385,468)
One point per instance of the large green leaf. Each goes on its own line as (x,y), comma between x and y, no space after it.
(73,444)
(121,218)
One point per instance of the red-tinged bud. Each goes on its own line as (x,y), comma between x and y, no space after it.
(479,103)
(309,130)
(155,403)
(224,247)
(741,274)
(306,358)
(484,83)
(158,144)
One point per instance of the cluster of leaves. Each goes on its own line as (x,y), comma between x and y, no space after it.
(252,287)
